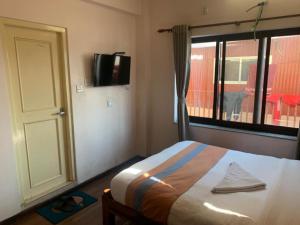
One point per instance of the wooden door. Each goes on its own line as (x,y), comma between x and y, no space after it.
(36,73)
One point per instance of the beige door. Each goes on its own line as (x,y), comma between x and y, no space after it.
(35,64)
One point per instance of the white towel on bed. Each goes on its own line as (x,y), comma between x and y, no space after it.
(238,180)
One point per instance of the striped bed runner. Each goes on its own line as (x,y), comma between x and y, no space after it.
(154,192)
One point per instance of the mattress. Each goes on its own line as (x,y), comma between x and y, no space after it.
(278,204)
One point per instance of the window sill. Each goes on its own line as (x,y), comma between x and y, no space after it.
(264,134)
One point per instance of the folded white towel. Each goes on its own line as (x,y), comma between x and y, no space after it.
(238,180)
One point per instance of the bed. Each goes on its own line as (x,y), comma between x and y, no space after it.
(174,187)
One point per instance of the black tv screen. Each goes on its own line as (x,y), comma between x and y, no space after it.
(111,70)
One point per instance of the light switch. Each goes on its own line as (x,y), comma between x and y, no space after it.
(79,88)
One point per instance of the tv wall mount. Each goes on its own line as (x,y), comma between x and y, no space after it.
(119,53)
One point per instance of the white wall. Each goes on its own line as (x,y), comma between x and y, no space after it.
(143,78)
(104,137)
(165,14)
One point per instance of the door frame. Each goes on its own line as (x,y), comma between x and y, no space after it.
(65,90)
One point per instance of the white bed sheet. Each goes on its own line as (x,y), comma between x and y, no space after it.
(279,204)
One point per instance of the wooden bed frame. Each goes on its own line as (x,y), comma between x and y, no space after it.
(112,208)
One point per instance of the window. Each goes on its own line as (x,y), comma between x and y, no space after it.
(239,82)
(237,69)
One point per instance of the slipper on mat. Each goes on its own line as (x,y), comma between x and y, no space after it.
(67,203)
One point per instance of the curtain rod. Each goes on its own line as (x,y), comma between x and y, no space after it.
(237,23)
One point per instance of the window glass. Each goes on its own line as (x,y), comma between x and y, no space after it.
(242,104)
(240,68)
(283,92)
(245,70)
(201,87)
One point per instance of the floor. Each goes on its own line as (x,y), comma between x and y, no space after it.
(91,215)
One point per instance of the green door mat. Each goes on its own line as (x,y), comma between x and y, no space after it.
(65,206)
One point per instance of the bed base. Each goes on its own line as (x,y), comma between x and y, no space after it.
(112,208)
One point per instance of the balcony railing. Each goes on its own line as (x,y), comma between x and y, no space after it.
(279,111)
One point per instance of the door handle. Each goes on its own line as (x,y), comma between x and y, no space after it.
(60,113)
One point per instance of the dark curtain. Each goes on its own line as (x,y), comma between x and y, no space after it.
(182,61)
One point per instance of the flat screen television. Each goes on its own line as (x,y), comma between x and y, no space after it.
(111,70)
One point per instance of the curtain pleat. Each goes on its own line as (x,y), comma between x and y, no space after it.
(182,61)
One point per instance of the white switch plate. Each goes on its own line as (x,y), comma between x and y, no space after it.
(79,88)
(109,103)
(204,10)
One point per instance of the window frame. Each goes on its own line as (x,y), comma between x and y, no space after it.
(258,123)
